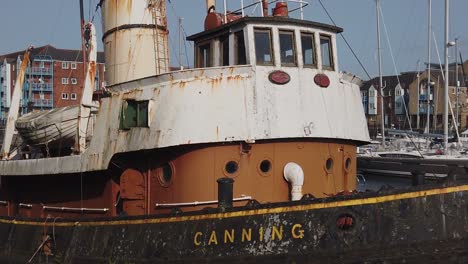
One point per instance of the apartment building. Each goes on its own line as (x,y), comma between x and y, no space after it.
(54,78)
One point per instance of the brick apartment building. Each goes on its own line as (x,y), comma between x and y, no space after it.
(54,78)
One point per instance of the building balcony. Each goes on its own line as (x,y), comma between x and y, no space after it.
(42,87)
(423,110)
(46,103)
(423,97)
(39,71)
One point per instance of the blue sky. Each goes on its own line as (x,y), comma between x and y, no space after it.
(56,22)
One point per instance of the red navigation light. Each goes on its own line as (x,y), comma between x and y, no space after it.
(279,77)
(322,80)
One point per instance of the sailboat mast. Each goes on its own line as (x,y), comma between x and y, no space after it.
(379,50)
(428,94)
(446,98)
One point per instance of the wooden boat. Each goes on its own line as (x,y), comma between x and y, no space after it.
(55,127)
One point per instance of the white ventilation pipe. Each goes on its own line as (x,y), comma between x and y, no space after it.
(294,174)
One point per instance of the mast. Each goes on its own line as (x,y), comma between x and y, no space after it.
(380,73)
(87,95)
(446,98)
(457,85)
(83,45)
(14,106)
(417,111)
(180,44)
(429,35)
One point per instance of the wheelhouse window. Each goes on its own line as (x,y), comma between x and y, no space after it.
(224,48)
(308,50)
(287,48)
(204,55)
(134,114)
(327,53)
(263,47)
(240,57)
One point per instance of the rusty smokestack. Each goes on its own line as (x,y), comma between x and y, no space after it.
(135,39)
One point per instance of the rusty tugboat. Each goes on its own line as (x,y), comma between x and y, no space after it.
(250,156)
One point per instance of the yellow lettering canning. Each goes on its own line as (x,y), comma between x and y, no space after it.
(297,231)
(229,236)
(246,235)
(213,238)
(260,232)
(196,239)
(277,233)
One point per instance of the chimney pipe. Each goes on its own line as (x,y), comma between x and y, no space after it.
(210,6)
(265,7)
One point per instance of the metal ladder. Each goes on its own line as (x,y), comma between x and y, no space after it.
(160,35)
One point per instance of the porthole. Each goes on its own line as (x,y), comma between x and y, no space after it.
(166,174)
(347,164)
(265,166)
(231,167)
(329,165)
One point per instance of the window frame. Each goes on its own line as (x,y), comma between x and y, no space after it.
(223,39)
(237,47)
(272,51)
(64,80)
(65,65)
(314,50)
(199,55)
(64,96)
(330,67)
(140,119)
(73,96)
(74,81)
(73,65)
(294,47)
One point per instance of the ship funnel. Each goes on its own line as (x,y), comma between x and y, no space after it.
(294,174)
(135,39)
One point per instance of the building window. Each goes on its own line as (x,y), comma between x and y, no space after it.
(287,48)
(64,96)
(64,80)
(73,65)
(134,114)
(74,81)
(263,47)
(326,51)
(73,96)
(240,58)
(204,55)
(41,64)
(308,49)
(64,65)
(224,50)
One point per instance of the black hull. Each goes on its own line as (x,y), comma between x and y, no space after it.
(427,224)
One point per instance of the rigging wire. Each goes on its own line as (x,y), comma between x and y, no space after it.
(184,33)
(394,64)
(345,40)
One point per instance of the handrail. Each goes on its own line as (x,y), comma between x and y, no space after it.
(243,198)
(73,209)
(302,4)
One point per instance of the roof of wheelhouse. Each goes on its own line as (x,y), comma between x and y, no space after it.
(271,20)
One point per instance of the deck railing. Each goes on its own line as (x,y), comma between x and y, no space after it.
(257,5)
